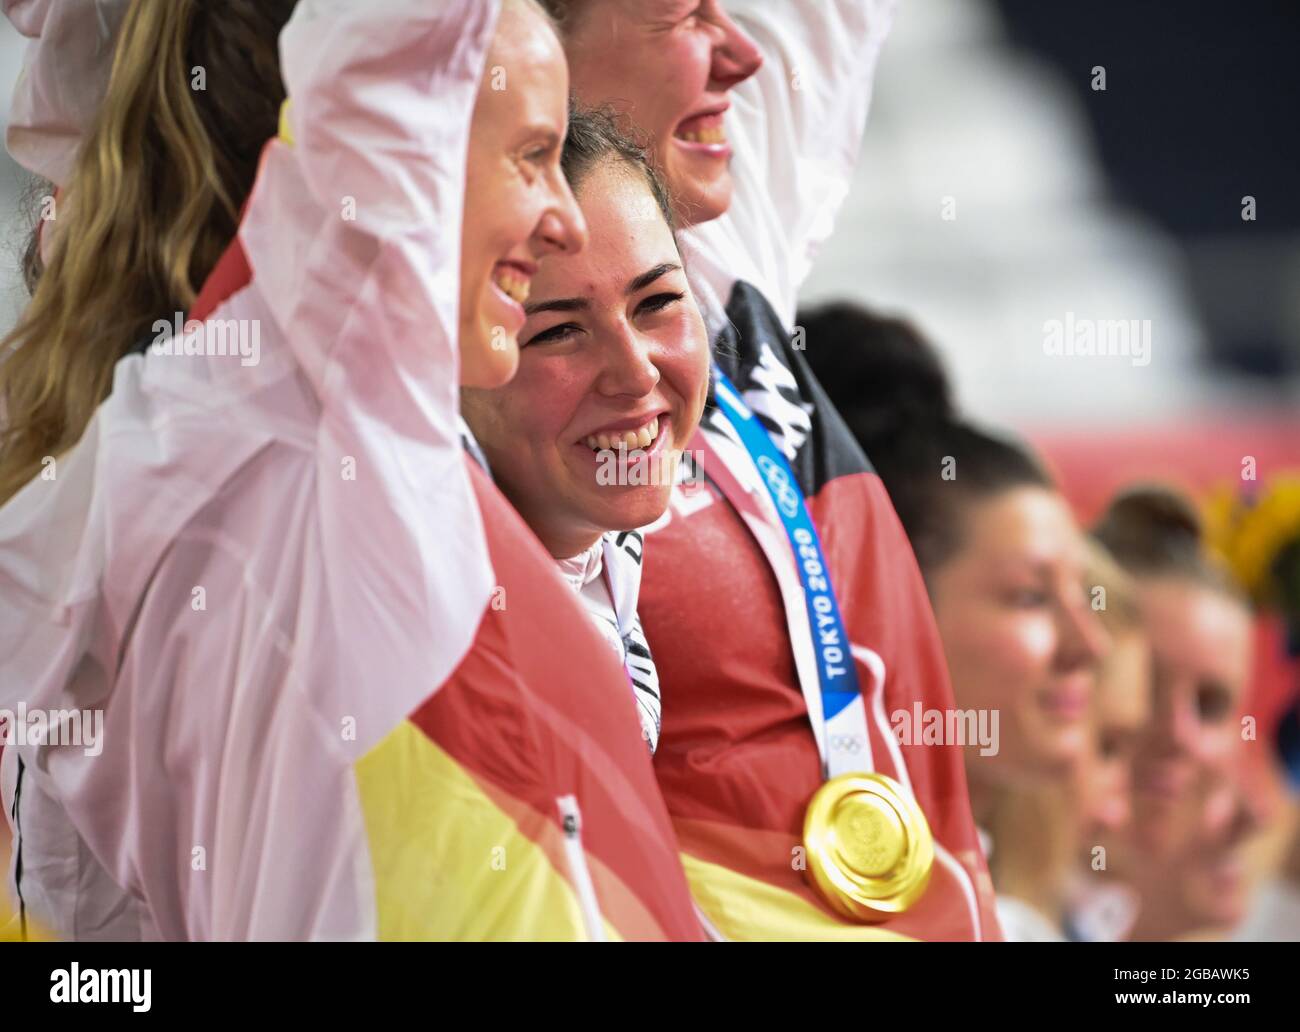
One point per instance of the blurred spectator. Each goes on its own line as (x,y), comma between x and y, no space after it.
(1183,850)
(1122,706)
(1004,562)
(1098,907)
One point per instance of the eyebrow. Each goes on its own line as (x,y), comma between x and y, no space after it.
(578,304)
(543,134)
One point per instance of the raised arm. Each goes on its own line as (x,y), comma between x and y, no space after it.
(796,127)
(353,237)
(253,575)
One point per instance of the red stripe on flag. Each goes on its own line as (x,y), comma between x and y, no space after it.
(231,274)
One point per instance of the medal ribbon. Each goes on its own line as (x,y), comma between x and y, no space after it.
(844,713)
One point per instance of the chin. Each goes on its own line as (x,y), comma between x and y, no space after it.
(638,510)
(697,201)
(1215,911)
(1055,759)
(482,365)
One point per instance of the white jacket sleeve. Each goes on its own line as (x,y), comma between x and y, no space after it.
(64,75)
(796,128)
(256,573)
(353,235)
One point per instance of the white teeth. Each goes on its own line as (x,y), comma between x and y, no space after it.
(709,134)
(625,440)
(514,287)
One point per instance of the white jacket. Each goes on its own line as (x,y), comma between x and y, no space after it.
(232,561)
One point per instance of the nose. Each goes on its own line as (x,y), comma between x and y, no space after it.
(1170,728)
(1083,640)
(628,367)
(562,229)
(735,56)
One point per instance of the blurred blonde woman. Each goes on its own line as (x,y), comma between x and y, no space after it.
(1182,852)
(1096,905)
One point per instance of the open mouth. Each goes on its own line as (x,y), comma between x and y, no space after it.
(1164,781)
(643,436)
(1067,701)
(634,454)
(512,280)
(706,131)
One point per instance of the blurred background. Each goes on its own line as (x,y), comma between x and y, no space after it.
(999,190)
(1122,203)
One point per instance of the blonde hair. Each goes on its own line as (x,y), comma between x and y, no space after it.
(153,200)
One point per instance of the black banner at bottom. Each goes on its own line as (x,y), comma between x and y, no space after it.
(929,981)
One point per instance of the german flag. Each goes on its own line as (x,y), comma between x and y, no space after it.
(518,802)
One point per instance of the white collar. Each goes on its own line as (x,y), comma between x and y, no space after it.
(583,568)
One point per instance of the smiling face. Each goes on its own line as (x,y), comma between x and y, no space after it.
(1018,633)
(668,66)
(1214,879)
(613,374)
(518,206)
(1198,881)
(1201,642)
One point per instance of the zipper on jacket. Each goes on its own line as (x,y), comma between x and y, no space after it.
(571,823)
(17,846)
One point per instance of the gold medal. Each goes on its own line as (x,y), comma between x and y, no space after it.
(869,846)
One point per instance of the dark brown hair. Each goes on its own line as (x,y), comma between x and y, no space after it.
(893,392)
(595,137)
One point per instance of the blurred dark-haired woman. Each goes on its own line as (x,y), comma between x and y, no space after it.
(1004,562)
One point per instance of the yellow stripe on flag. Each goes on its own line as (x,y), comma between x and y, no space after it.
(449,863)
(744,908)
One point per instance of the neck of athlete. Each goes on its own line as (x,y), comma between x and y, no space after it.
(567,543)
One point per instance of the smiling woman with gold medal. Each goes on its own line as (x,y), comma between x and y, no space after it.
(869,847)
(780,597)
